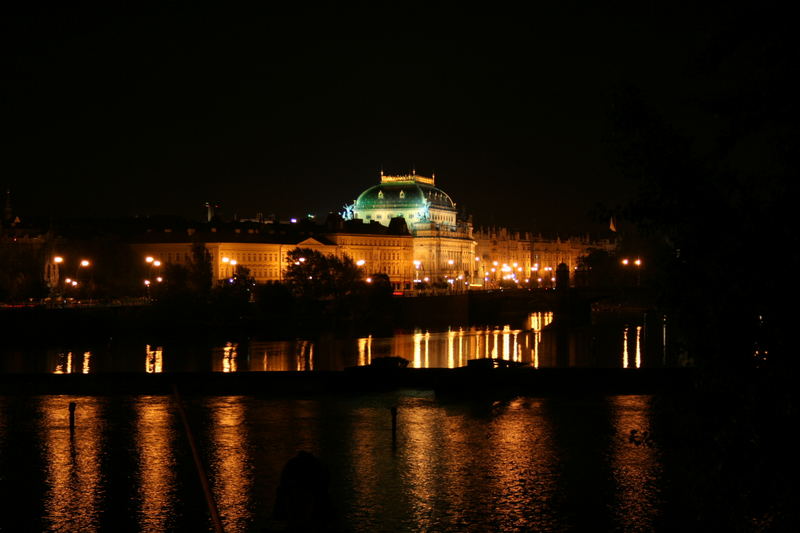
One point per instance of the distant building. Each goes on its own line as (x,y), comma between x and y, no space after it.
(521,258)
(443,246)
(404,227)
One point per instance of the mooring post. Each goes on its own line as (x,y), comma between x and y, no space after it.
(393,409)
(72,406)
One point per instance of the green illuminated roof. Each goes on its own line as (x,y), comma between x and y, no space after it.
(403,195)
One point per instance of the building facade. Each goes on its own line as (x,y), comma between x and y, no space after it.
(404,227)
(443,245)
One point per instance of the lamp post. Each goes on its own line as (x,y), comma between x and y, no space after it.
(637,264)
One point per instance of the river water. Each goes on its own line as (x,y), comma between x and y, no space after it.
(620,342)
(528,464)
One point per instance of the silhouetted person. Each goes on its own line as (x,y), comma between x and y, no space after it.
(302,498)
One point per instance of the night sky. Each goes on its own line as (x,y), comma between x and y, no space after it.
(155,115)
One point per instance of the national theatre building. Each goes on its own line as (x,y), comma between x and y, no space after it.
(404,227)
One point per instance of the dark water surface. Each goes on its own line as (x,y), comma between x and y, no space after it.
(617,342)
(542,464)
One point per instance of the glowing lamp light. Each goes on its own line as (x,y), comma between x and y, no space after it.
(624,261)
(450,261)
(638,262)
(233,262)
(74,283)
(68,281)
(302,259)
(360,262)
(85,263)
(149,259)
(477,259)
(58,259)
(226,259)
(369,280)
(147,282)
(157,263)
(159,279)
(494,263)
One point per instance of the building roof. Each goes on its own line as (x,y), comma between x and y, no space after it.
(401,193)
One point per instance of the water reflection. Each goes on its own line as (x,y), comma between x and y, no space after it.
(154,360)
(421,436)
(155,443)
(635,464)
(612,344)
(226,358)
(66,363)
(231,468)
(73,474)
(463,466)
(637,347)
(524,465)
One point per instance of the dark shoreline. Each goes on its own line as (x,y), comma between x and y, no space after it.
(459,383)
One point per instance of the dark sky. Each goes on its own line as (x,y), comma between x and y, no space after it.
(156,115)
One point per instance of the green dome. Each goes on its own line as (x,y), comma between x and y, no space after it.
(403,195)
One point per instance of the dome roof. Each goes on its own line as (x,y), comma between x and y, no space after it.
(402,195)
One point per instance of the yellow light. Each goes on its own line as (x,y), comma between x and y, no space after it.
(159,279)
(85,263)
(637,262)
(624,261)
(514,265)
(58,259)
(68,281)
(302,259)
(417,263)
(494,263)
(74,283)
(147,282)
(369,280)
(477,259)
(450,261)
(226,259)
(360,262)
(157,263)
(233,262)
(148,259)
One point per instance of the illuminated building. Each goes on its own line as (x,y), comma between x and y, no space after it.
(404,227)
(443,245)
(523,259)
